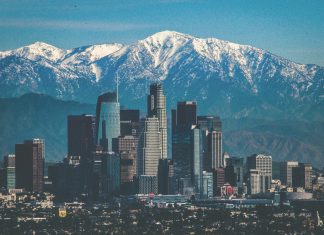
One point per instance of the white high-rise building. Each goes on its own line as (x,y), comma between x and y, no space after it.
(149,147)
(156,107)
(262,163)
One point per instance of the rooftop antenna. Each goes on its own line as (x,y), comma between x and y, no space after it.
(117,81)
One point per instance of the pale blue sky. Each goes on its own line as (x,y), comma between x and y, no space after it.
(290,28)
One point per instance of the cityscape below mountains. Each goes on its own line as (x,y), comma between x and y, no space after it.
(190,126)
(116,159)
(276,105)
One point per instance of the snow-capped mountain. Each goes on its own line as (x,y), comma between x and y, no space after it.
(225,78)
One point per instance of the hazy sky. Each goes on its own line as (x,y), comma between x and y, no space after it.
(290,28)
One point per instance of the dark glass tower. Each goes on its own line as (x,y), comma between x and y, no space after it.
(81,135)
(30,157)
(108,120)
(129,122)
(183,118)
(81,143)
(211,127)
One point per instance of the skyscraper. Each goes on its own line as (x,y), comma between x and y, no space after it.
(111,174)
(149,147)
(286,172)
(237,165)
(126,147)
(302,176)
(81,143)
(108,120)
(186,114)
(81,135)
(129,122)
(183,118)
(156,107)
(212,143)
(196,166)
(10,171)
(30,157)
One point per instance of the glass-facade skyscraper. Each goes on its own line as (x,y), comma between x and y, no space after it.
(30,157)
(108,120)
(183,118)
(211,126)
(197,157)
(10,171)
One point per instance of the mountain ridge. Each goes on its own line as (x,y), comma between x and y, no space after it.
(230,79)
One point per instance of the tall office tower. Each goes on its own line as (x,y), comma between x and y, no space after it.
(149,147)
(81,135)
(82,142)
(96,189)
(126,147)
(302,176)
(183,118)
(237,164)
(219,180)
(165,176)
(129,122)
(286,172)
(9,171)
(111,174)
(196,169)
(108,120)
(30,157)
(256,182)
(156,107)
(212,144)
(264,164)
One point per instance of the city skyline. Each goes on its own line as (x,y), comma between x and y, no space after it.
(161,117)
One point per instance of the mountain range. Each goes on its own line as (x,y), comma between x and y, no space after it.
(267,103)
(229,79)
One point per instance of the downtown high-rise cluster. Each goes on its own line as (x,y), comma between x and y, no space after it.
(118,152)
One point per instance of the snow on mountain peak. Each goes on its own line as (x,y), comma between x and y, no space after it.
(166,35)
(41,49)
(89,54)
(96,52)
